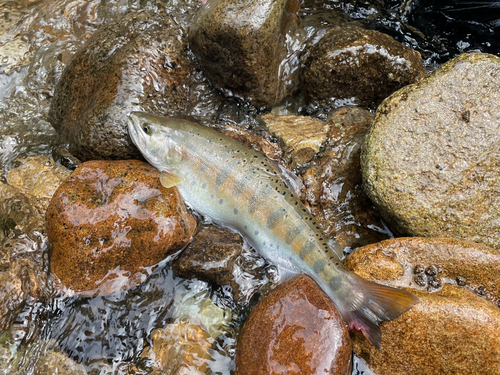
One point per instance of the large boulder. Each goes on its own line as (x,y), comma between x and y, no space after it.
(455,329)
(111,219)
(430,161)
(350,65)
(241,47)
(140,62)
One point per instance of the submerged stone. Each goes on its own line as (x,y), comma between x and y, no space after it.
(455,329)
(111,219)
(38,177)
(430,161)
(140,62)
(334,188)
(350,65)
(295,329)
(241,47)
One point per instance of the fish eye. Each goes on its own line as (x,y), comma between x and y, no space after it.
(146,128)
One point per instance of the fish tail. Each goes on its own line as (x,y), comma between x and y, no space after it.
(370,303)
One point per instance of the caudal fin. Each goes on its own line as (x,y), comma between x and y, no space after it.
(373,303)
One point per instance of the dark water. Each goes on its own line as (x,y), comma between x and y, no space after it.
(37,40)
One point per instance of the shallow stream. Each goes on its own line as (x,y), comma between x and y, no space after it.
(37,39)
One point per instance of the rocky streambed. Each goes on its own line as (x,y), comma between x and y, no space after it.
(391,141)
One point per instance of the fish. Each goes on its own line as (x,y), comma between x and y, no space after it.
(239,188)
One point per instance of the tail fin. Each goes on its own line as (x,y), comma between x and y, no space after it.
(373,303)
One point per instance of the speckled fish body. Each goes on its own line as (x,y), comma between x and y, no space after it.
(235,185)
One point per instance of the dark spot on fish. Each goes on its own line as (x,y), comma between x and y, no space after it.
(193,183)
(235,211)
(319,265)
(221,201)
(335,283)
(245,227)
(212,196)
(204,186)
(256,232)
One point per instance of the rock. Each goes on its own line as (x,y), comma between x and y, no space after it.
(112,218)
(241,47)
(301,136)
(217,255)
(430,160)
(454,329)
(420,263)
(294,329)
(350,65)
(138,63)
(180,348)
(17,211)
(38,177)
(334,189)
(53,362)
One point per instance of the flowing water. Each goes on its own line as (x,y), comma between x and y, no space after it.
(111,334)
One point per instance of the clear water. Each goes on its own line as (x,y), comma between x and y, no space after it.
(37,39)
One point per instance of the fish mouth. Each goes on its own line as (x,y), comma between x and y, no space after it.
(134,129)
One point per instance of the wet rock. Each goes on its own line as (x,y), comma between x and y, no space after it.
(301,136)
(138,63)
(180,348)
(453,330)
(53,362)
(112,218)
(17,211)
(350,65)
(187,345)
(217,255)
(416,261)
(241,47)
(38,177)
(430,161)
(294,329)
(334,189)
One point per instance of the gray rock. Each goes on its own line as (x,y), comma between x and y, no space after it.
(138,63)
(240,45)
(431,159)
(350,65)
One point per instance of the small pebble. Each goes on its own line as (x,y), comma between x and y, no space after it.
(461,280)
(431,270)
(418,269)
(435,283)
(419,280)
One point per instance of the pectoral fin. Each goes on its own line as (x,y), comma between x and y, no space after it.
(169,180)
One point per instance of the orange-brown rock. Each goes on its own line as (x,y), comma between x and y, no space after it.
(334,186)
(113,217)
(295,329)
(455,329)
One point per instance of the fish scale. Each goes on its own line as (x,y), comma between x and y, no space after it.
(241,189)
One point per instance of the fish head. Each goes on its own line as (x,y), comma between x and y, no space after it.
(156,140)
